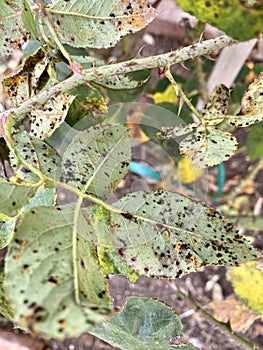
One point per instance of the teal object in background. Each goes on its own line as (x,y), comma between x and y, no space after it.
(143,170)
(220,177)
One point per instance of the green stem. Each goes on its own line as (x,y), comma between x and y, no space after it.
(56,39)
(74,248)
(220,325)
(179,92)
(117,69)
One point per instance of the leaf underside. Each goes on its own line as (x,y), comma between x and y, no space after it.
(142,324)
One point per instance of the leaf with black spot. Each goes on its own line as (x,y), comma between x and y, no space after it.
(98,24)
(48,117)
(169,235)
(55,283)
(208,146)
(16,26)
(13,197)
(217,105)
(97,159)
(252,105)
(36,152)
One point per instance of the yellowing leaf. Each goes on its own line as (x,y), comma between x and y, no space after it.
(187,172)
(247,281)
(168,95)
(234,312)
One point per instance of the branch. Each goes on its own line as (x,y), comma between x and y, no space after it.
(116,69)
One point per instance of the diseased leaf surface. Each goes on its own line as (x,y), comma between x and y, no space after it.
(252,105)
(217,105)
(13,34)
(51,291)
(167,234)
(46,119)
(97,159)
(99,24)
(39,154)
(6,231)
(13,197)
(208,146)
(142,324)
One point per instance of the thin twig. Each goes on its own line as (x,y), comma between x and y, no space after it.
(122,68)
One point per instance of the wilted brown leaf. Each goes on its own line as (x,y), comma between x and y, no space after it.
(234,312)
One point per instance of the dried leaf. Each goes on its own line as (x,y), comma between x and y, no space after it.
(234,312)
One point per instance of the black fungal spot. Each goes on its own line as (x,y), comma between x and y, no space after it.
(127,216)
(52,280)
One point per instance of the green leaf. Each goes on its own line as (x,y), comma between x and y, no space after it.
(238,19)
(98,24)
(166,234)
(28,20)
(208,146)
(111,263)
(43,197)
(13,33)
(89,102)
(13,197)
(109,260)
(121,82)
(36,152)
(170,132)
(252,105)
(254,141)
(247,281)
(217,105)
(5,308)
(97,159)
(54,280)
(144,324)
(6,231)
(48,117)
